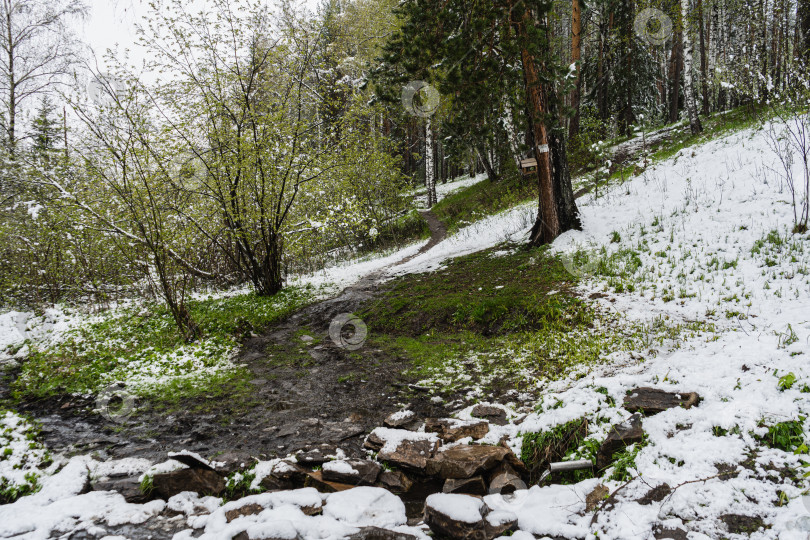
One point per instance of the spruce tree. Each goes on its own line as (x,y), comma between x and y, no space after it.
(45,132)
(475,50)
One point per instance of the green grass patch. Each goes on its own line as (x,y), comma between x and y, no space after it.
(624,461)
(22,457)
(503,320)
(237,485)
(397,233)
(539,449)
(787,436)
(142,348)
(483,199)
(486,293)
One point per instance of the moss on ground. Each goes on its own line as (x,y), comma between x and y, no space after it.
(142,348)
(503,321)
(484,199)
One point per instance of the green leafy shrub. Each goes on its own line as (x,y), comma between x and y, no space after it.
(787,436)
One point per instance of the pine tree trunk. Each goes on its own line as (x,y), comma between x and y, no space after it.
(689,90)
(675,65)
(567,211)
(803,16)
(576,54)
(601,79)
(763,51)
(487,163)
(430,173)
(547,225)
(551,222)
(625,72)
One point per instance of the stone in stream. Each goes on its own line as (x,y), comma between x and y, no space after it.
(351,471)
(245,536)
(664,533)
(452,429)
(316,480)
(377,533)
(230,462)
(191,460)
(250,509)
(202,481)
(336,432)
(595,497)
(620,435)
(651,401)
(284,475)
(410,454)
(492,414)
(505,480)
(656,494)
(395,481)
(402,448)
(128,486)
(465,517)
(317,454)
(403,419)
(469,486)
(466,461)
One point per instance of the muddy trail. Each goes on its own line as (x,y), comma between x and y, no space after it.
(306,388)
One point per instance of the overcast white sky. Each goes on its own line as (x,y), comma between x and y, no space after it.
(112,23)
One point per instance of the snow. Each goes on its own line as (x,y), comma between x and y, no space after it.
(340,466)
(196,456)
(344,513)
(17,326)
(452,186)
(59,506)
(705,209)
(500,517)
(402,415)
(119,467)
(337,277)
(550,510)
(463,508)
(393,437)
(265,468)
(366,507)
(701,226)
(511,224)
(20,458)
(190,503)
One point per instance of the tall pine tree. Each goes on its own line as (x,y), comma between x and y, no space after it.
(473,50)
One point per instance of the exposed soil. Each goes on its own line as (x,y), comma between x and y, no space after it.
(306,389)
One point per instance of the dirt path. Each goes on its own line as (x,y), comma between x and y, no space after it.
(305,389)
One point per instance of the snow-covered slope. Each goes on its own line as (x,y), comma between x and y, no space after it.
(710,233)
(711,228)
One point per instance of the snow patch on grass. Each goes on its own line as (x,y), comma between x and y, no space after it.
(23,459)
(706,234)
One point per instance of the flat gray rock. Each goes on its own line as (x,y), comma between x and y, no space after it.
(650,401)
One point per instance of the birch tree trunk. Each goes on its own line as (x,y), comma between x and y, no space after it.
(704,66)
(689,86)
(430,174)
(511,134)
